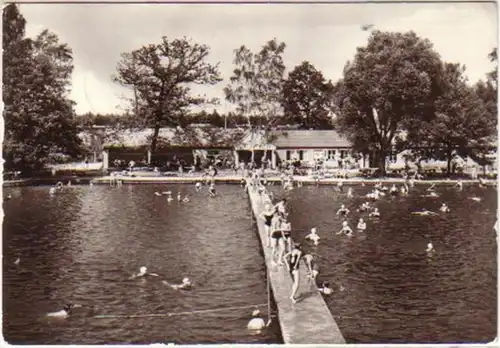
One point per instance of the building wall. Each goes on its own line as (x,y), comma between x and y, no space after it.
(309,155)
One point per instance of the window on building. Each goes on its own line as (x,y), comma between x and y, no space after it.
(342,153)
(288,155)
(331,154)
(301,155)
(393,157)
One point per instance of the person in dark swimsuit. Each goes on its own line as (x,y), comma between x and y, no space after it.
(267,215)
(293,263)
(277,238)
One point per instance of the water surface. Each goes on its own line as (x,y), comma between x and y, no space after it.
(83,244)
(393,292)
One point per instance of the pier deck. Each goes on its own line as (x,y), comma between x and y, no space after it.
(308,321)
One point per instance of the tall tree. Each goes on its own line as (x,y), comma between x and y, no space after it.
(39,117)
(308,98)
(461,123)
(160,77)
(257,81)
(488,90)
(390,80)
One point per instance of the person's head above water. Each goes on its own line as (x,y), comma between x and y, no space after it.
(344,223)
(255,313)
(313,230)
(186,280)
(360,219)
(143,270)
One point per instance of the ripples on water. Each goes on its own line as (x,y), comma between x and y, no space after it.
(83,244)
(393,292)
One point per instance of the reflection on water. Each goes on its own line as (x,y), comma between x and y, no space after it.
(393,292)
(83,244)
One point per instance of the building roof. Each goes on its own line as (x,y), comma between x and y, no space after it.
(312,139)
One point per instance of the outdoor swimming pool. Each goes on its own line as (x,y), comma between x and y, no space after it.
(394,293)
(83,244)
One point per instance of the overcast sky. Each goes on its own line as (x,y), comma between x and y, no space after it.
(325,35)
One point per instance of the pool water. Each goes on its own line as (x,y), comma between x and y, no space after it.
(83,244)
(387,290)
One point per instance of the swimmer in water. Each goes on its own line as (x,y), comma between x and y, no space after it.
(349,193)
(361,227)
(340,185)
(431,194)
(325,288)
(179,197)
(393,191)
(444,208)
(185,199)
(345,229)
(431,188)
(313,236)
(17,261)
(430,248)
(143,272)
(211,190)
(197,186)
(157,193)
(459,185)
(64,312)
(343,210)
(312,266)
(185,285)
(257,323)
(476,199)
(375,213)
(424,212)
(482,183)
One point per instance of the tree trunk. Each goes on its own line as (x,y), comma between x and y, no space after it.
(449,158)
(381,161)
(154,140)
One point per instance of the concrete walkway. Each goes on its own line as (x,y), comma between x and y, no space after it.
(308,321)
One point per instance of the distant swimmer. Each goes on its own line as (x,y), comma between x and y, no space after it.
(431,188)
(52,190)
(157,193)
(8,197)
(423,212)
(325,288)
(430,248)
(185,199)
(361,227)
(343,210)
(257,323)
(312,266)
(340,185)
(185,285)
(432,194)
(166,193)
(375,213)
(459,185)
(198,186)
(211,190)
(179,197)
(482,183)
(143,272)
(444,208)
(67,309)
(169,199)
(394,190)
(365,207)
(313,236)
(349,192)
(475,199)
(345,229)
(404,189)
(17,261)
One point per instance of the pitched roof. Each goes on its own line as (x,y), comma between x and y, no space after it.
(316,139)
